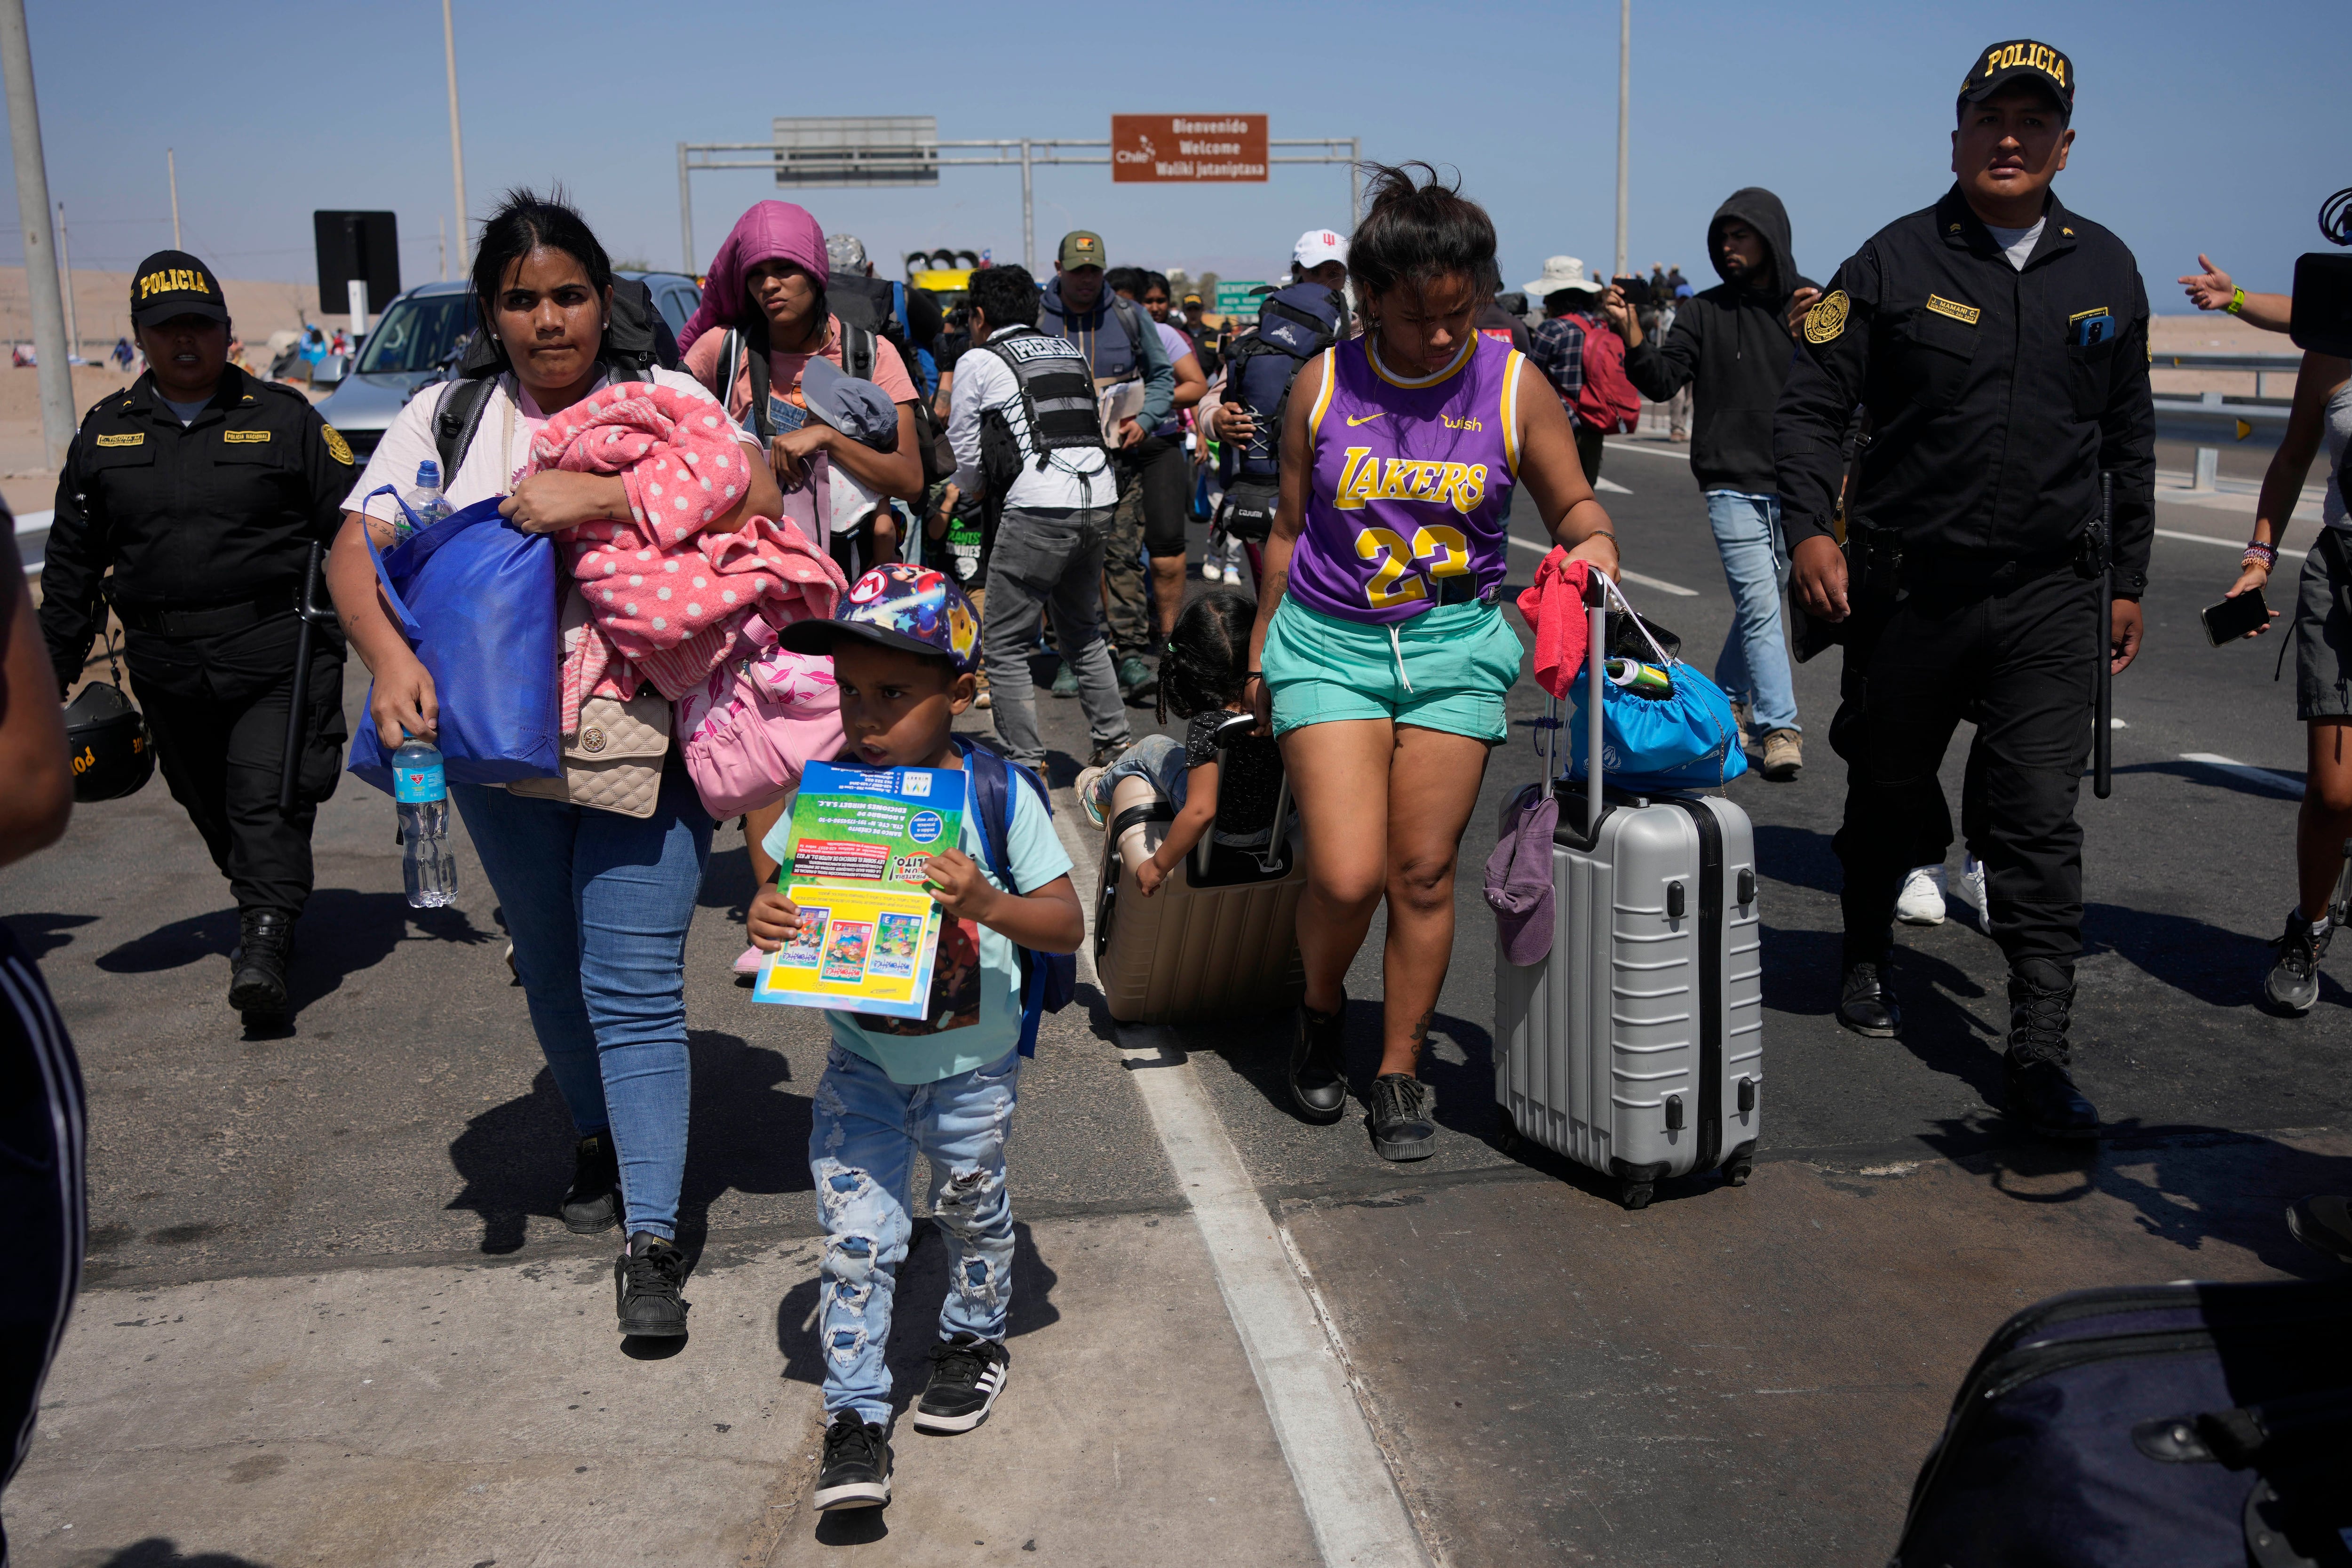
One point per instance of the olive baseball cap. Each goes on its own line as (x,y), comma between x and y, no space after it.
(174,283)
(1081,248)
(2020,59)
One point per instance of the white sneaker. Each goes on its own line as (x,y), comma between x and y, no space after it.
(1971,891)
(1921,902)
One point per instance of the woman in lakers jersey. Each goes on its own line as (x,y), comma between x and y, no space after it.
(1380,654)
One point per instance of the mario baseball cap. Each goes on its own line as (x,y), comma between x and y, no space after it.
(2020,59)
(174,283)
(913,608)
(1317,246)
(1081,248)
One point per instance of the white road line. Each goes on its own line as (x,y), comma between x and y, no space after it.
(2246,770)
(1611,486)
(1343,1479)
(1660,584)
(1681,454)
(2225,544)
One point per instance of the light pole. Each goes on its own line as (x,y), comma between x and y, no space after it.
(1624,93)
(457,138)
(172,174)
(73,313)
(40,244)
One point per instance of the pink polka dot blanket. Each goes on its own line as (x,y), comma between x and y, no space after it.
(669,601)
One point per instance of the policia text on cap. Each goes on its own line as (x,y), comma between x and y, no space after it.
(201,490)
(1997,344)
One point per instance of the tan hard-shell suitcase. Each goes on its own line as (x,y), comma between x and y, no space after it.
(1219,938)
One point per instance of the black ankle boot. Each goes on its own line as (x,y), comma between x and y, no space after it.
(265,947)
(2040,1092)
(1867,1001)
(1319,1068)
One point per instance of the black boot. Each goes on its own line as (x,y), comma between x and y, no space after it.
(2041,1093)
(594,1201)
(1318,1067)
(258,985)
(1867,1001)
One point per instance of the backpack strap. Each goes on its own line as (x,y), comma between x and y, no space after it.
(991,781)
(456,419)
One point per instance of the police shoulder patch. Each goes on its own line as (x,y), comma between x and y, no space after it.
(1826,320)
(337,447)
(1958,312)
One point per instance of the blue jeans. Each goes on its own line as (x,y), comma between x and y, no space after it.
(862,1145)
(598,904)
(1754,667)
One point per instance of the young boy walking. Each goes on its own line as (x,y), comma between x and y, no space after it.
(904,644)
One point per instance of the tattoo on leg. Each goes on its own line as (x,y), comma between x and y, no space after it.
(1420,1035)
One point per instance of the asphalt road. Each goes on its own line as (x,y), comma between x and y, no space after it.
(1521,1342)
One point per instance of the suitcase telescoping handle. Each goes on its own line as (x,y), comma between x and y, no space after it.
(1596,627)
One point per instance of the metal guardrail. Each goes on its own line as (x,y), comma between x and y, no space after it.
(33,538)
(2261,365)
(2212,422)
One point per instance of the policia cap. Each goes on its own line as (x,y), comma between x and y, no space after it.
(2020,59)
(174,283)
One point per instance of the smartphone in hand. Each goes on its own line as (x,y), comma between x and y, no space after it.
(2233,618)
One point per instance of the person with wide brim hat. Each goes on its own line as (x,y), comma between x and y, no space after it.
(1563,275)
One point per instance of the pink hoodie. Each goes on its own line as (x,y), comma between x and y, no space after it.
(769,231)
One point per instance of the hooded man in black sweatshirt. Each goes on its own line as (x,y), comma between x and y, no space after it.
(1731,345)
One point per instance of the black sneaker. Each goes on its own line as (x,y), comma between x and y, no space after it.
(1402,1129)
(265,947)
(967,1374)
(646,1282)
(592,1202)
(1318,1065)
(2292,984)
(856,1468)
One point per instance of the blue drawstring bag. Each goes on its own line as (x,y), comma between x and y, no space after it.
(1686,739)
(476,599)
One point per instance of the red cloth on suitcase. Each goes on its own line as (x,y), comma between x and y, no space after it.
(1554,607)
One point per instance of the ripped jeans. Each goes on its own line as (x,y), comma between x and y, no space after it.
(862,1147)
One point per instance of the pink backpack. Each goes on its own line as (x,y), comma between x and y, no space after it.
(750,730)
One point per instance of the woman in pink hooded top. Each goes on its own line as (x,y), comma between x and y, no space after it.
(768,282)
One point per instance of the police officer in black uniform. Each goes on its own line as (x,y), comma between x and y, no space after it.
(202,489)
(1997,344)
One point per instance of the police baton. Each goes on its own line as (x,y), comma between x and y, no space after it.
(299,710)
(2103,738)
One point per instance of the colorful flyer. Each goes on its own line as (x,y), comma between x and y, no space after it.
(862,841)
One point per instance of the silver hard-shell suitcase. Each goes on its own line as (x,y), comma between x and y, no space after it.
(1637,1046)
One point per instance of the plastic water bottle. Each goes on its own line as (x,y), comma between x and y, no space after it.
(425,500)
(421,796)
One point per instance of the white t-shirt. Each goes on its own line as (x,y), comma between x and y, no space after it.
(2017,244)
(501,448)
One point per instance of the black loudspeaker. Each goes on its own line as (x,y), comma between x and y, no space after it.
(365,246)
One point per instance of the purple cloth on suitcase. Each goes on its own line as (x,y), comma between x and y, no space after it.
(1519,877)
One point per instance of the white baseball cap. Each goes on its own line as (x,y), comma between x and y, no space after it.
(1317,246)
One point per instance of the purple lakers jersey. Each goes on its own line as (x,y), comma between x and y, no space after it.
(1411,483)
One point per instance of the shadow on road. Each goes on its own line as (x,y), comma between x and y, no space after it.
(515,1158)
(43,934)
(2218,967)
(2187,1184)
(161,1552)
(922,1285)
(1799,856)
(341,933)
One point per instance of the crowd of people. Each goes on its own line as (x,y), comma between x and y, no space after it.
(919,505)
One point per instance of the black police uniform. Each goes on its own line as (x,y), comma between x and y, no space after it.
(208,529)
(1995,397)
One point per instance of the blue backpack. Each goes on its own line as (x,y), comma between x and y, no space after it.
(1049,981)
(1294,325)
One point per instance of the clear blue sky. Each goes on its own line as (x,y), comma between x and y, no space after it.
(2199,129)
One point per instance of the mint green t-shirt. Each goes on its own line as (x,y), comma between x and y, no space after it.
(976,981)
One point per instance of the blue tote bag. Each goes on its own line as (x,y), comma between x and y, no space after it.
(476,599)
(1684,740)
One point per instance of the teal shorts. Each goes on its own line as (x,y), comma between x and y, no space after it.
(1447,669)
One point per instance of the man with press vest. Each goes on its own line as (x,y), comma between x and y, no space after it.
(1997,344)
(1120,345)
(203,489)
